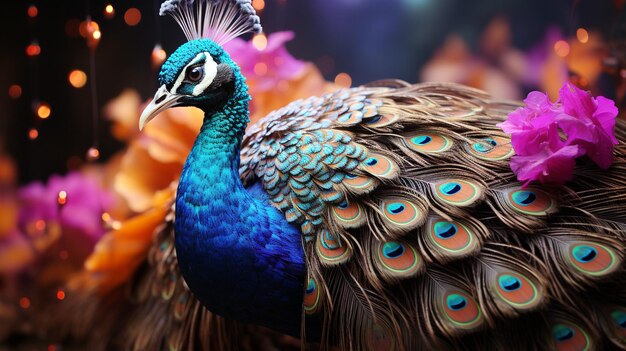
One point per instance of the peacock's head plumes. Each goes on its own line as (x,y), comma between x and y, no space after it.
(200,73)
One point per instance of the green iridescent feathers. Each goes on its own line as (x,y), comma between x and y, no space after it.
(411,217)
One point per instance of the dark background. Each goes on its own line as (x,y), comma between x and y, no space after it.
(369,39)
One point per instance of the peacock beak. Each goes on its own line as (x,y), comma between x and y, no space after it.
(163,100)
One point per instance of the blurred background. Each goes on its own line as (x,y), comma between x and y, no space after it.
(506,47)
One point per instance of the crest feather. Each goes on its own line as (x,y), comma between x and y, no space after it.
(218,20)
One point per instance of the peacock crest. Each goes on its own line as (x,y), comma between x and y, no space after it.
(218,20)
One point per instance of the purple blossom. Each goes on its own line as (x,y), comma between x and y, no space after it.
(268,66)
(547,137)
(81,213)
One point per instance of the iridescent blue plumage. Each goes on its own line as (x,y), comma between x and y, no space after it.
(238,254)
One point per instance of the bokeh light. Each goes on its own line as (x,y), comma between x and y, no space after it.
(90,30)
(132,16)
(24,302)
(77,78)
(33,49)
(33,134)
(343,80)
(561,48)
(87,28)
(106,217)
(158,56)
(109,11)
(258,5)
(40,225)
(43,110)
(93,153)
(60,295)
(15,91)
(260,41)
(62,198)
(32,11)
(260,69)
(582,35)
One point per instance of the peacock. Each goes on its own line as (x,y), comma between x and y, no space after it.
(381,217)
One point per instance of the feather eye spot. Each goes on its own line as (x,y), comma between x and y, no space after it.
(509,282)
(524,197)
(329,241)
(562,333)
(422,139)
(359,183)
(380,166)
(393,249)
(311,297)
(569,337)
(533,202)
(396,207)
(457,192)
(593,259)
(428,143)
(372,120)
(584,253)
(456,302)
(350,118)
(619,317)
(518,291)
(402,213)
(372,161)
(380,120)
(485,147)
(330,250)
(450,188)
(310,287)
(348,215)
(491,149)
(462,310)
(398,259)
(452,239)
(445,230)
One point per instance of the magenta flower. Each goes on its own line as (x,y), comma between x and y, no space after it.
(592,123)
(265,67)
(547,137)
(74,203)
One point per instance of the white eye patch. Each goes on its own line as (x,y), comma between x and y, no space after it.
(210,71)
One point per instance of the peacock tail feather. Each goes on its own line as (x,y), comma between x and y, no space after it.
(417,234)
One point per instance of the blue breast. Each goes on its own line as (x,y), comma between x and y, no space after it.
(239,255)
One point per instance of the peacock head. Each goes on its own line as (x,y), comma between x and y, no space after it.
(200,73)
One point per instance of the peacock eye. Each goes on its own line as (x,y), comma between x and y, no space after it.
(195,74)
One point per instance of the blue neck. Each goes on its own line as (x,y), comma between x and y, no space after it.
(237,253)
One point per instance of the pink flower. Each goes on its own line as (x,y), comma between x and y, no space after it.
(552,162)
(592,123)
(81,211)
(268,66)
(547,137)
(529,126)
